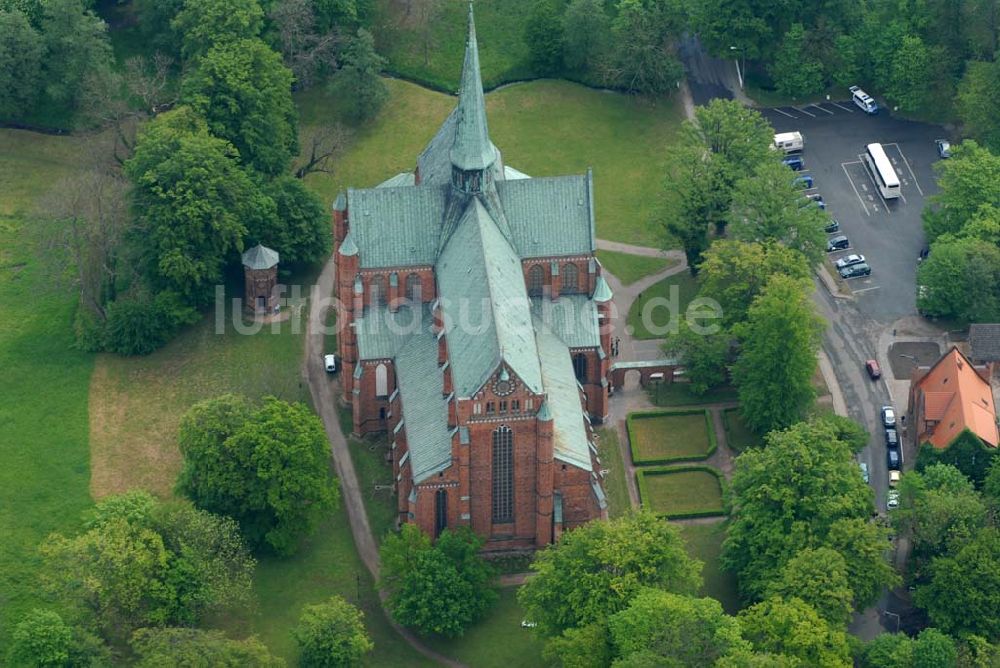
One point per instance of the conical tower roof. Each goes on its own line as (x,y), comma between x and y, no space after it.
(472,148)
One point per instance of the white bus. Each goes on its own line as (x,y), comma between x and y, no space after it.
(882,171)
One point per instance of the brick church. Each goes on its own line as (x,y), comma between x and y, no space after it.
(471,309)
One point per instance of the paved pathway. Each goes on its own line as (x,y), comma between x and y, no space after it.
(324,392)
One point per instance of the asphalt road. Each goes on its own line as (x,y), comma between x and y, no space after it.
(888,233)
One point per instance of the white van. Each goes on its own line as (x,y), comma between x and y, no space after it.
(789,142)
(865,101)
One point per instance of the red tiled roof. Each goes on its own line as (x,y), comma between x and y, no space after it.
(957,397)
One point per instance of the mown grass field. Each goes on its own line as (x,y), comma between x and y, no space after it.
(739,436)
(666,437)
(704,542)
(44,458)
(615,483)
(660,307)
(543,128)
(498,641)
(672,490)
(679,394)
(432,51)
(631,268)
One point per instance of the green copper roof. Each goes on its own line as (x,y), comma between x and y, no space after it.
(397,227)
(403,179)
(425,411)
(549,216)
(485,305)
(570,440)
(260,257)
(573,318)
(382,333)
(348,247)
(602,291)
(544,414)
(472,149)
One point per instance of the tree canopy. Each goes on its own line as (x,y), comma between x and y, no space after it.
(793,628)
(597,569)
(157,647)
(332,634)
(436,588)
(268,467)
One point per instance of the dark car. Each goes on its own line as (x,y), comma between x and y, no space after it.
(817,199)
(832,226)
(856,270)
(943,148)
(837,243)
(873,369)
(893,459)
(794,162)
(805,180)
(891,438)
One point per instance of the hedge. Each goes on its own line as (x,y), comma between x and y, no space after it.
(641,474)
(640,461)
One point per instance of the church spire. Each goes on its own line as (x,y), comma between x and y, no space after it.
(472,149)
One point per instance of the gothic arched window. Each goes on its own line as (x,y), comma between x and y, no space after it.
(377,291)
(503,475)
(570,279)
(440,511)
(536,280)
(381,381)
(580,367)
(413,287)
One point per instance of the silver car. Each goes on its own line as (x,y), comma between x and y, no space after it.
(849,260)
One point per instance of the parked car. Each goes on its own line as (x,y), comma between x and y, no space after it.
(856,270)
(330,363)
(805,180)
(865,101)
(789,142)
(892,499)
(817,199)
(943,148)
(832,226)
(888,416)
(893,478)
(848,260)
(864,472)
(891,438)
(795,162)
(893,459)
(837,243)
(873,369)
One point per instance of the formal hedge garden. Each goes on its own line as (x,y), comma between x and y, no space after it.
(677,492)
(662,437)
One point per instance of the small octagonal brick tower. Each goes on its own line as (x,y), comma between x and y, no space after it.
(260,270)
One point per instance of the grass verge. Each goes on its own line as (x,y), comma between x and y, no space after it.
(659,307)
(679,394)
(498,641)
(629,268)
(543,128)
(739,436)
(615,482)
(681,491)
(704,542)
(660,437)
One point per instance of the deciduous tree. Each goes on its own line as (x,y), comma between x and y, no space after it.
(332,634)
(155,648)
(819,577)
(358,82)
(793,628)
(300,230)
(586,34)
(777,359)
(244,92)
(43,640)
(961,279)
(76,44)
(644,38)
(597,569)
(795,68)
(21,53)
(543,33)
(203,24)
(268,468)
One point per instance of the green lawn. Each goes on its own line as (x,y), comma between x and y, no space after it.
(435,55)
(615,483)
(657,439)
(543,128)
(738,435)
(630,268)
(499,641)
(704,542)
(679,394)
(658,308)
(680,490)
(44,457)
(368,455)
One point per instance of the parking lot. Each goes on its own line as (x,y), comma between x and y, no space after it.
(889,233)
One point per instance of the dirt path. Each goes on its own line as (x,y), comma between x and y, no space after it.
(324,394)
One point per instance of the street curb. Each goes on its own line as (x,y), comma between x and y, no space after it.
(830,283)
